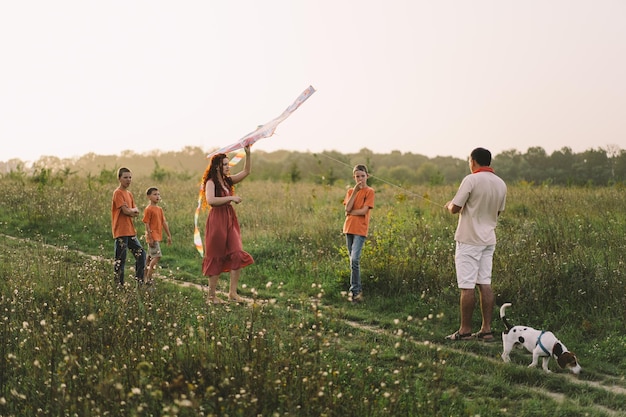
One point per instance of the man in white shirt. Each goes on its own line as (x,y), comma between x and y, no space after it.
(479,201)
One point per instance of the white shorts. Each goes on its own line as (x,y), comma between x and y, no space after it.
(473,264)
(154,251)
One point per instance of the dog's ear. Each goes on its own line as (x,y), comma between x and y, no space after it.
(567,359)
(557,349)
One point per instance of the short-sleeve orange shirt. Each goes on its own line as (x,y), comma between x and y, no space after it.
(121,224)
(358,225)
(153,216)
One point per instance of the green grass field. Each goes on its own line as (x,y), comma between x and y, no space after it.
(75,344)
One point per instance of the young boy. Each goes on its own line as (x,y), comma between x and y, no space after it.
(123,213)
(155,222)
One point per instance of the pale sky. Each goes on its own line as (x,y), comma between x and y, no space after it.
(436,78)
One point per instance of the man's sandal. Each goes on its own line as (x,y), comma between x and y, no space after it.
(486,337)
(456,336)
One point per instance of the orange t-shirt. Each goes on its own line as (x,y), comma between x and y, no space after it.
(358,225)
(153,216)
(121,224)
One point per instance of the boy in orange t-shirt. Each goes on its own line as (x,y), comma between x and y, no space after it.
(123,212)
(358,202)
(154,219)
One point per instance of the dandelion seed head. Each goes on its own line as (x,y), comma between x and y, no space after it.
(184,403)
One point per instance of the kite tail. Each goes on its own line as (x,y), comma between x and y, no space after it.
(197,239)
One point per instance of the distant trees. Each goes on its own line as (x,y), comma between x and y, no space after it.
(563,167)
(593,167)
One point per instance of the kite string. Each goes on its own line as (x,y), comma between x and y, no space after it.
(387,182)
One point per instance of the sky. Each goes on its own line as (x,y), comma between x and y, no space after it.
(436,78)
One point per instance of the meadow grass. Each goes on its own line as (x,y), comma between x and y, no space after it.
(76,344)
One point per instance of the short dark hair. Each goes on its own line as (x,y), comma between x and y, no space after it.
(121,172)
(482,157)
(151,190)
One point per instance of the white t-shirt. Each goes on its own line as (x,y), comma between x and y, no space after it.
(481,195)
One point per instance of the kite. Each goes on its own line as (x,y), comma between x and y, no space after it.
(263,131)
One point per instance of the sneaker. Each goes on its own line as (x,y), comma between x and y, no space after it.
(357,298)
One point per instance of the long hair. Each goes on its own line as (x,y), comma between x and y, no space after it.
(212,173)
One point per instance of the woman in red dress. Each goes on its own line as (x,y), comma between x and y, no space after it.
(223,248)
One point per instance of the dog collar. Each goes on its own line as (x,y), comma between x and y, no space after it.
(541,344)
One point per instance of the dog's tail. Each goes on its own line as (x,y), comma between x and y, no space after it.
(507,325)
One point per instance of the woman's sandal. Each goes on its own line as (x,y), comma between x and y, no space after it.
(486,337)
(236,299)
(456,336)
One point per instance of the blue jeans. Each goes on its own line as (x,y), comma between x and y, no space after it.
(122,244)
(355,245)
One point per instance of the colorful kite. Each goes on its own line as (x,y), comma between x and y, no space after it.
(261,132)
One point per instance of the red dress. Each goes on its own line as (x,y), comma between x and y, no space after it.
(223,250)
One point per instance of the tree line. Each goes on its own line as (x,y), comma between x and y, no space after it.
(593,167)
